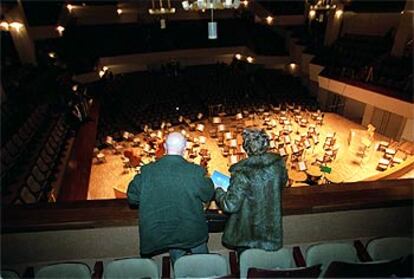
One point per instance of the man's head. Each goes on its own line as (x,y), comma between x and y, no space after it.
(175,144)
(255,141)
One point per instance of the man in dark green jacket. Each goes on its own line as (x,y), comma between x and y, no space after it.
(170,194)
(253,199)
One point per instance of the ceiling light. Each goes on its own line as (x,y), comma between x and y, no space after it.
(4,25)
(312,14)
(249,59)
(119,11)
(52,55)
(269,20)
(105,68)
(69,7)
(338,13)
(245,3)
(16,25)
(238,56)
(60,29)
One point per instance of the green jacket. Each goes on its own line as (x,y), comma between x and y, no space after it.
(253,200)
(170,194)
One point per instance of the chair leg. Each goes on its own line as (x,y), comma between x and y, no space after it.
(166,270)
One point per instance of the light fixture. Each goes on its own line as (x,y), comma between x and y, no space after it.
(119,11)
(4,25)
(312,14)
(69,7)
(338,13)
(197,5)
(161,9)
(105,68)
(249,59)
(16,26)
(292,66)
(269,20)
(60,29)
(52,54)
(402,12)
(245,3)
(212,29)
(101,73)
(163,25)
(238,56)
(75,87)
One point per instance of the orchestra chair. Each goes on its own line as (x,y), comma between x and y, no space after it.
(389,248)
(64,270)
(131,268)
(201,265)
(258,258)
(296,272)
(382,269)
(9,274)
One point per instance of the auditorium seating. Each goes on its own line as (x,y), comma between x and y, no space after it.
(201,266)
(131,268)
(64,270)
(325,253)
(197,89)
(389,248)
(366,62)
(9,274)
(256,258)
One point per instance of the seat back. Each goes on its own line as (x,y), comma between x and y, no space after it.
(259,258)
(389,248)
(201,265)
(326,253)
(297,272)
(131,268)
(366,269)
(64,270)
(9,274)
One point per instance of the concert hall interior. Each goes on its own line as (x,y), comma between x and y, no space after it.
(90,89)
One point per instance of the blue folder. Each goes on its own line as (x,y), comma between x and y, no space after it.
(220,180)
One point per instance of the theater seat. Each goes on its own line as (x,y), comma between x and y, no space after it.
(389,248)
(376,269)
(326,253)
(297,272)
(257,258)
(64,270)
(131,268)
(201,265)
(9,274)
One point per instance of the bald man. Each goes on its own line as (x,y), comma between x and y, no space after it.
(170,194)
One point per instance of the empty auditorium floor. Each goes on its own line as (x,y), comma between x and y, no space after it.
(349,166)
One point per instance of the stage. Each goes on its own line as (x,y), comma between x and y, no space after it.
(357,156)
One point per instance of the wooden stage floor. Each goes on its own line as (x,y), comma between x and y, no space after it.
(349,165)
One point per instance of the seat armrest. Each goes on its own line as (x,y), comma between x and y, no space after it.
(234,265)
(28,273)
(298,257)
(362,252)
(97,270)
(166,270)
